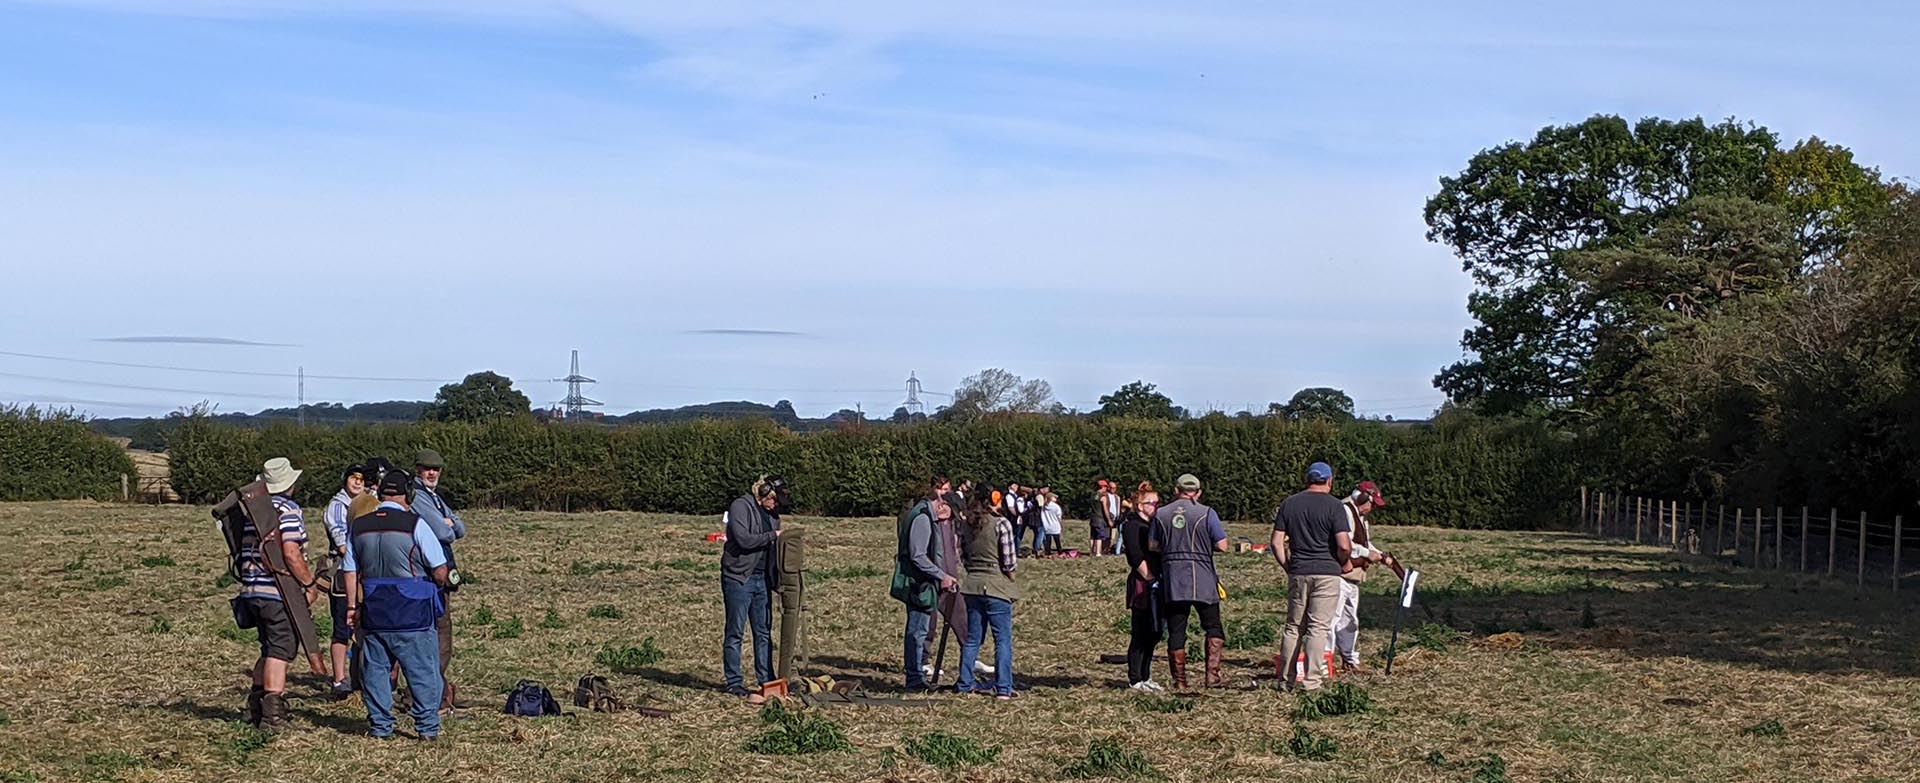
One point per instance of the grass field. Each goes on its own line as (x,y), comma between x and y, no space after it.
(118,661)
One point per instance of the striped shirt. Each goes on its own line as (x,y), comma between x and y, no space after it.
(255,580)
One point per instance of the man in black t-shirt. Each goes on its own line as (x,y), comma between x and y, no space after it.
(1313,541)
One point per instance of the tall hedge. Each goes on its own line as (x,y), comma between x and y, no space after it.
(1480,475)
(53,456)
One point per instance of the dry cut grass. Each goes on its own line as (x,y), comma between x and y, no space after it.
(1533,656)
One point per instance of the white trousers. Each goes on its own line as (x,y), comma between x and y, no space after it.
(1346,623)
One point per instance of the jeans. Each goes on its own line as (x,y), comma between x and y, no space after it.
(418,655)
(919,632)
(747,601)
(1312,602)
(984,612)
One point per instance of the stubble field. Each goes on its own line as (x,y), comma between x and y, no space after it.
(118,661)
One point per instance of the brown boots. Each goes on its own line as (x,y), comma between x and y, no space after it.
(1216,649)
(267,711)
(1178,663)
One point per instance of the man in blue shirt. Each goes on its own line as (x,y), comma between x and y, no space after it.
(394,570)
(447,528)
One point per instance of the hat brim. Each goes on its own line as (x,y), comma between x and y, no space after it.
(282,485)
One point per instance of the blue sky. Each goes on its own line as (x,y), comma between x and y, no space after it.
(1223,199)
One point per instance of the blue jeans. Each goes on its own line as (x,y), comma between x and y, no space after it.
(919,632)
(984,612)
(747,601)
(418,655)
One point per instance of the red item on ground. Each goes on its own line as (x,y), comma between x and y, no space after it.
(716,537)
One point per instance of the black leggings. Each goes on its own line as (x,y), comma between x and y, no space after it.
(1146,636)
(1177,612)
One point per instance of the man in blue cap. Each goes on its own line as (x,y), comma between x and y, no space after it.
(1313,541)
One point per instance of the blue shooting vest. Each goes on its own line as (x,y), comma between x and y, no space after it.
(399,596)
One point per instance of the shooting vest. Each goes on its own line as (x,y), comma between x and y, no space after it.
(399,594)
(981,547)
(909,586)
(1358,522)
(1186,552)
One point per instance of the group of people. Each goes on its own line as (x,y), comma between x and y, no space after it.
(388,574)
(958,552)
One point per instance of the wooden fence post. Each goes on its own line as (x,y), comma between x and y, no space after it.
(1833,537)
(1583,507)
(1739,524)
(1639,512)
(1861,578)
(1759,516)
(123,487)
(1896,553)
(1677,506)
(1720,532)
(1779,537)
(1805,543)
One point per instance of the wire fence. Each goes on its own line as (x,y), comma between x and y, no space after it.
(1838,544)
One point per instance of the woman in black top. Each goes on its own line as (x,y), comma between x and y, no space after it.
(1143,597)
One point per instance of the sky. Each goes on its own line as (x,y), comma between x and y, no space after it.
(739,200)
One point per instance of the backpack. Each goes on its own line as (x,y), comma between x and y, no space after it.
(595,693)
(531,700)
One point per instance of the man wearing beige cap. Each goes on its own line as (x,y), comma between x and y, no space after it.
(260,598)
(1186,535)
(447,526)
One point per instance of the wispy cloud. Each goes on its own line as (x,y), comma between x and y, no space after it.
(748,332)
(174,340)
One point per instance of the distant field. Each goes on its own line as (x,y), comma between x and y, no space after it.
(118,662)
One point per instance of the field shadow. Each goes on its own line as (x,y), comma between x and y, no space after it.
(1681,607)
(687,680)
(198,711)
(845,664)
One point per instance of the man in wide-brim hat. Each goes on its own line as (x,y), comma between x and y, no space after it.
(260,597)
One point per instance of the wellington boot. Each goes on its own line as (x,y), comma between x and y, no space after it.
(275,713)
(1179,665)
(1216,650)
(253,705)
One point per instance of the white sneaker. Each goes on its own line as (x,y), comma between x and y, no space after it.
(929,672)
(1148,686)
(982,667)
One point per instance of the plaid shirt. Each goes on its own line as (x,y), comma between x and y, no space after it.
(1009,548)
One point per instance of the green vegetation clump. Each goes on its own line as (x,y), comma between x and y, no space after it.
(160,625)
(511,628)
(1340,698)
(628,660)
(948,751)
(1164,704)
(1109,757)
(1256,633)
(552,621)
(1304,745)
(481,616)
(109,582)
(861,571)
(604,612)
(156,561)
(591,568)
(796,733)
(1436,637)
(1770,729)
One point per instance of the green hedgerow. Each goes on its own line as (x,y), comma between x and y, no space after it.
(948,751)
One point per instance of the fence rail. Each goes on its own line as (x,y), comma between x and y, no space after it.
(1781,538)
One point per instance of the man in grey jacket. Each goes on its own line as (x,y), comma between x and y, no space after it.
(919,553)
(746,560)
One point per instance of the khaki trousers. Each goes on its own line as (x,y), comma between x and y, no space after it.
(1312,602)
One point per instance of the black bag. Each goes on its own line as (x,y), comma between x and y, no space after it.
(243,615)
(530,699)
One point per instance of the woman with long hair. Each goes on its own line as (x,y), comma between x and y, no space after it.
(991,554)
(1143,592)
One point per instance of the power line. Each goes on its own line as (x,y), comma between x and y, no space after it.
(105,385)
(209,371)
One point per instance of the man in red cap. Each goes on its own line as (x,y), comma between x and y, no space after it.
(1364,499)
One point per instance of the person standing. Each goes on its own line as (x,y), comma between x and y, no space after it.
(753,527)
(991,558)
(1313,541)
(1031,510)
(917,560)
(1050,522)
(395,570)
(1187,534)
(354,484)
(1143,589)
(447,527)
(260,597)
(1346,621)
(1013,509)
(1105,516)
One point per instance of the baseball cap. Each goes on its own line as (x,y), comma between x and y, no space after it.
(1319,473)
(1372,490)
(396,482)
(1187,482)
